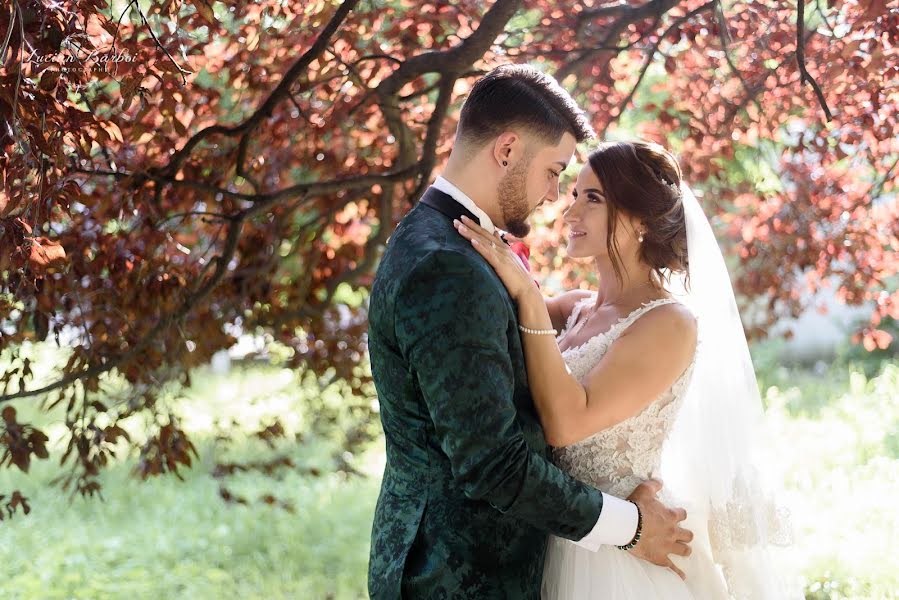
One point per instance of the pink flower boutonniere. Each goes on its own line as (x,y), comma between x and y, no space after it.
(523,253)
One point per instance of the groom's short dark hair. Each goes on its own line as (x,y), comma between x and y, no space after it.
(520,96)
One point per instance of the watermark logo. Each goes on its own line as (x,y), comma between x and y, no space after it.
(78,60)
(84,59)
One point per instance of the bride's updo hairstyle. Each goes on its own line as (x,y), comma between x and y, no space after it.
(643,179)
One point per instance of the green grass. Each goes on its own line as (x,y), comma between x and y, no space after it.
(169,539)
(164,538)
(836,430)
(842,471)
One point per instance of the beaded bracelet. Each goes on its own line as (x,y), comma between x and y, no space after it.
(538,331)
(637,535)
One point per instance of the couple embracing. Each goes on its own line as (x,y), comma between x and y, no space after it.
(526,435)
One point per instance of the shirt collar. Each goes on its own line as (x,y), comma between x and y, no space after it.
(462,198)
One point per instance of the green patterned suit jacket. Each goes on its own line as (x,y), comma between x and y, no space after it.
(469,494)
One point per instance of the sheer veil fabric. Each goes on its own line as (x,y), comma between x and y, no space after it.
(702,437)
(712,459)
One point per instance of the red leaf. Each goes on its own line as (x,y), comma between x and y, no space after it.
(45,252)
(204,9)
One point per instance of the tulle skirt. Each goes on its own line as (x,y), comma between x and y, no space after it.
(575,573)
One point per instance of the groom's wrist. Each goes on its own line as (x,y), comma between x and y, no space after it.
(622,517)
(616,525)
(630,545)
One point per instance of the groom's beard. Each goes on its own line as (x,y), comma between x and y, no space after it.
(513,199)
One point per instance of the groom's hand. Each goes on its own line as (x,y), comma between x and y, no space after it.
(662,534)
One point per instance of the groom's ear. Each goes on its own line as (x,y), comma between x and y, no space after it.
(507,148)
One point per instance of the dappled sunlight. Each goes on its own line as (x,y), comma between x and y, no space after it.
(842,472)
(166,538)
(198,199)
(244,400)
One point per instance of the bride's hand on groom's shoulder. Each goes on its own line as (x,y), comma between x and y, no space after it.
(662,534)
(508,265)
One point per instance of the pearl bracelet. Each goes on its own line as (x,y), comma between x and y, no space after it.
(538,331)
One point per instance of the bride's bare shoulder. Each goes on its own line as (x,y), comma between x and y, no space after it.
(672,327)
(560,306)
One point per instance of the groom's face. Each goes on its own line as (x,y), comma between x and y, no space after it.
(533,180)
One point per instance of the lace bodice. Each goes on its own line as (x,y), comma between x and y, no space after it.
(617,459)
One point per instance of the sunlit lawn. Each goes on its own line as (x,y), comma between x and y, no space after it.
(165,538)
(837,431)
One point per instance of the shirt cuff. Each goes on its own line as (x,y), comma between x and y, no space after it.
(616,525)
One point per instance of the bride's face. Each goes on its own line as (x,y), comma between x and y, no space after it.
(588,217)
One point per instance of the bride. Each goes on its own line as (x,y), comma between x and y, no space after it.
(648,377)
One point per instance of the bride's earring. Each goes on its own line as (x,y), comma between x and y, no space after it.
(640,237)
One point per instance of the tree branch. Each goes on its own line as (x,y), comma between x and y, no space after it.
(281,91)
(877,189)
(628,16)
(457,58)
(805,76)
(755,89)
(161,326)
(158,44)
(655,47)
(294,191)
(429,149)
(450,63)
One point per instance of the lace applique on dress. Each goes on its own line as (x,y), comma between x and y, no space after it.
(618,459)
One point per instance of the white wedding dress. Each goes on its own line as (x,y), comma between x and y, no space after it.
(615,461)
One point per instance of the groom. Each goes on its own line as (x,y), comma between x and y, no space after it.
(469,495)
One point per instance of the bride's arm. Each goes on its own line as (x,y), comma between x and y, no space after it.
(643,363)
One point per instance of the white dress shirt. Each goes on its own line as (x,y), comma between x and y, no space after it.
(617,522)
(462,198)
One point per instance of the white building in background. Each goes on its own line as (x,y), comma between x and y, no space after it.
(826,325)
(817,336)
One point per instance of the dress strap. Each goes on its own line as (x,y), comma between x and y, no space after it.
(627,321)
(622,323)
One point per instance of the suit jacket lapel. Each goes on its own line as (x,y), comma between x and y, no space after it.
(446,204)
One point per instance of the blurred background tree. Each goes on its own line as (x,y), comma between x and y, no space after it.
(177,174)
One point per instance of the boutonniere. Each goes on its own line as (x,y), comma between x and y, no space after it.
(521,250)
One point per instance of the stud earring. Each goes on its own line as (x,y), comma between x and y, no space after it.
(505,163)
